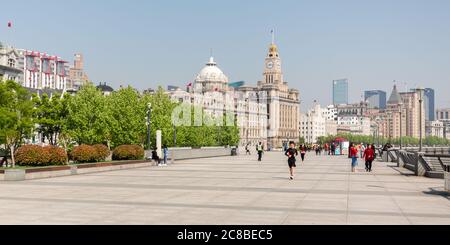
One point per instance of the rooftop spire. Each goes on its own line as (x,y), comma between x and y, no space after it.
(395,97)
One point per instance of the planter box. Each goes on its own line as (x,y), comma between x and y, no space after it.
(59,171)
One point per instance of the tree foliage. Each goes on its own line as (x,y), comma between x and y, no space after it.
(16,111)
(89,118)
(50,115)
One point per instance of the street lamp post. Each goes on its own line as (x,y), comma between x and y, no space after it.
(401,126)
(174,136)
(149,114)
(420,91)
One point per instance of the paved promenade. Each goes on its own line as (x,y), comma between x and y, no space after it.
(231,190)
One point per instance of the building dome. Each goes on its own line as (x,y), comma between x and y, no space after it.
(105,88)
(211,73)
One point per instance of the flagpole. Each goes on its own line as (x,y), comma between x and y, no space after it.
(273,36)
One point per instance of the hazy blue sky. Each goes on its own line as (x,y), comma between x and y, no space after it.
(147,43)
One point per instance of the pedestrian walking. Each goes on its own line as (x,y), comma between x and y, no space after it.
(291,153)
(333,149)
(363,149)
(354,157)
(369,156)
(247,150)
(166,154)
(303,152)
(260,150)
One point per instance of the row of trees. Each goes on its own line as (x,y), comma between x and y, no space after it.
(91,118)
(430,141)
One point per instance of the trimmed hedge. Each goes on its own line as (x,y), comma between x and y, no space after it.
(102,151)
(128,152)
(34,155)
(89,153)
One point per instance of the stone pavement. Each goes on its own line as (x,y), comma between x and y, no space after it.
(231,190)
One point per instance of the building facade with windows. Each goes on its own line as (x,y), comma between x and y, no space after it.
(9,63)
(313,124)
(77,75)
(42,71)
(283,103)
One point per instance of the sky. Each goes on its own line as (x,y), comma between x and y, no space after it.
(146,43)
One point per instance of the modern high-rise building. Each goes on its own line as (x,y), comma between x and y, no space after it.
(340,91)
(429,101)
(375,98)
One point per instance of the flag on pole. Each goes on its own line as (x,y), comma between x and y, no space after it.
(189,85)
(9,24)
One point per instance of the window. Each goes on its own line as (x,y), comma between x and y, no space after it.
(11,63)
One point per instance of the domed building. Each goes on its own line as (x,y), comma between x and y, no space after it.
(211,79)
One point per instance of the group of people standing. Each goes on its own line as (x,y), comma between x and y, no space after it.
(367,153)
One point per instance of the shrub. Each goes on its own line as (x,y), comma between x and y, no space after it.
(34,155)
(102,152)
(84,154)
(55,155)
(89,153)
(128,152)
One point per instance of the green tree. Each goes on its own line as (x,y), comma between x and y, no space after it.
(16,115)
(89,117)
(161,117)
(127,117)
(50,115)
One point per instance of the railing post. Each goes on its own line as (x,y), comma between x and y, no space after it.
(419,169)
(398,157)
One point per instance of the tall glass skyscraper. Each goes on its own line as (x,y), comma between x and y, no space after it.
(429,104)
(340,92)
(375,98)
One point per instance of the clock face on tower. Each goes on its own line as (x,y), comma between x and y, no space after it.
(270,65)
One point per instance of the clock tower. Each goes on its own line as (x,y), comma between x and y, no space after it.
(283,103)
(272,70)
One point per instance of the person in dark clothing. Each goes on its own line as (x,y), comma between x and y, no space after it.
(4,161)
(247,150)
(155,157)
(333,149)
(291,153)
(303,152)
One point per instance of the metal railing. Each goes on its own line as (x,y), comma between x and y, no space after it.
(421,163)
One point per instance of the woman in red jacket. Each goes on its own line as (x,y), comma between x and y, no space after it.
(354,156)
(369,156)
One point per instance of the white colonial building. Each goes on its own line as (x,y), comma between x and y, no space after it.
(354,124)
(435,129)
(313,124)
(211,91)
(9,63)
